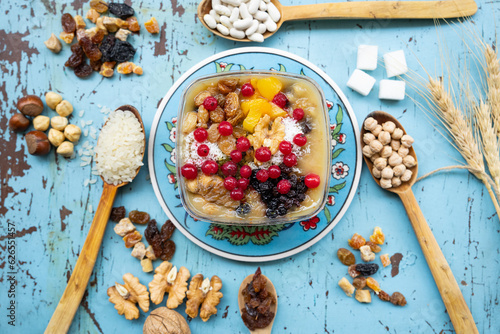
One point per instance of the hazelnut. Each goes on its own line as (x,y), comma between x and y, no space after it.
(53,44)
(59,123)
(18,122)
(30,105)
(65,149)
(56,137)
(64,108)
(41,123)
(37,142)
(72,132)
(52,99)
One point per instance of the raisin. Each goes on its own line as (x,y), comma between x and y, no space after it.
(243,209)
(373,284)
(99,5)
(167,230)
(139,217)
(373,246)
(227,85)
(367,269)
(151,231)
(132,238)
(232,104)
(98,37)
(398,299)
(156,244)
(258,301)
(122,51)
(76,59)
(117,214)
(107,47)
(217,115)
(96,65)
(168,250)
(83,70)
(359,282)
(121,10)
(384,296)
(346,257)
(68,23)
(356,241)
(91,50)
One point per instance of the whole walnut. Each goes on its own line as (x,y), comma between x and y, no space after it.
(165,321)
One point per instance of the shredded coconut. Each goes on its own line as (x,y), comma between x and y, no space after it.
(190,149)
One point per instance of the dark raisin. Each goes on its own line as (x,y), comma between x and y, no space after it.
(121,10)
(96,65)
(83,70)
(243,209)
(91,50)
(98,37)
(107,47)
(360,282)
(282,210)
(122,51)
(271,213)
(157,245)
(151,231)
(117,213)
(306,126)
(168,250)
(138,217)
(167,230)
(367,269)
(68,23)
(74,60)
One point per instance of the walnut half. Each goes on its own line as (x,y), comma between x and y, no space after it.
(126,296)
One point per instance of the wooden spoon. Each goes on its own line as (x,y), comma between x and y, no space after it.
(274,308)
(359,10)
(453,299)
(77,284)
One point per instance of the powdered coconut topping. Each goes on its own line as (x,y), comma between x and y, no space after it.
(190,149)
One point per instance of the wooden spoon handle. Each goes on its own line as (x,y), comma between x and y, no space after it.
(77,284)
(382,10)
(453,299)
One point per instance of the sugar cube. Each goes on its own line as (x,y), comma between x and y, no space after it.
(395,63)
(367,57)
(361,82)
(391,90)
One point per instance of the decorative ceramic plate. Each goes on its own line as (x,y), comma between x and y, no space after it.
(257,243)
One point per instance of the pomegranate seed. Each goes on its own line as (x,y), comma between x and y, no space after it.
(312,180)
(236,156)
(284,187)
(203,150)
(237,194)
(245,171)
(285,147)
(263,154)
(298,114)
(189,171)
(300,139)
(274,172)
(247,89)
(230,183)
(280,100)
(225,128)
(243,144)
(290,160)
(209,167)
(200,135)
(243,183)
(262,175)
(210,103)
(229,168)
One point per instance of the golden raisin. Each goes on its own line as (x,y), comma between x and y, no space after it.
(217,115)
(359,282)
(132,238)
(133,25)
(356,241)
(107,69)
(373,284)
(138,217)
(137,70)
(80,23)
(373,246)
(99,6)
(213,133)
(125,68)
(378,236)
(346,257)
(152,26)
(92,15)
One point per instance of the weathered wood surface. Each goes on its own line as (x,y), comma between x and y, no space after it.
(44,199)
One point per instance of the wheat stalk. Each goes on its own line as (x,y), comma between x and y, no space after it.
(493,83)
(489,140)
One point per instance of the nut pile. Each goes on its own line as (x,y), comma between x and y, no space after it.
(387,147)
(361,272)
(61,135)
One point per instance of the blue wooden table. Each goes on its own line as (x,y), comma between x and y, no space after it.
(44,202)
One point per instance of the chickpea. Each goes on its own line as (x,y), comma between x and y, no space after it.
(395,145)
(374,157)
(389,126)
(41,123)
(370,123)
(72,132)
(66,149)
(386,183)
(64,108)
(380,163)
(368,138)
(377,130)
(56,137)
(367,152)
(387,173)
(384,137)
(409,161)
(406,176)
(403,151)
(59,123)
(376,146)
(407,141)
(399,170)
(376,172)
(386,152)
(396,181)
(395,159)
(397,134)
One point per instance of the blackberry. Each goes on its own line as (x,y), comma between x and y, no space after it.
(271,214)
(283,198)
(282,210)
(243,209)
(273,204)
(301,197)
(292,194)
(285,169)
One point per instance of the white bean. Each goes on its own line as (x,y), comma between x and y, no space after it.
(230,8)
(263,6)
(235,14)
(223,29)
(244,12)
(210,21)
(262,28)
(215,3)
(274,13)
(253,28)
(237,33)
(261,16)
(256,37)
(225,21)
(222,10)
(244,24)
(270,24)
(232,2)
(253,6)
(214,14)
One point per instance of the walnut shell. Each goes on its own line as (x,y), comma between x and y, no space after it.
(165,321)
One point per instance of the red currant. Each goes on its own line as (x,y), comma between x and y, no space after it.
(243,144)
(209,167)
(189,171)
(203,150)
(263,154)
(247,89)
(285,147)
(243,183)
(236,156)
(262,175)
(245,171)
(229,168)
(280,100)
(237,194)
(312,180)
(225,128)
(298,114)
(230,183)
(200,135)
(290,160)
(284,187)
(274,172)
(210,103)
(300,139)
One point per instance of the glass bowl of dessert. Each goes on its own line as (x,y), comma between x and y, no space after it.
(253,148)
